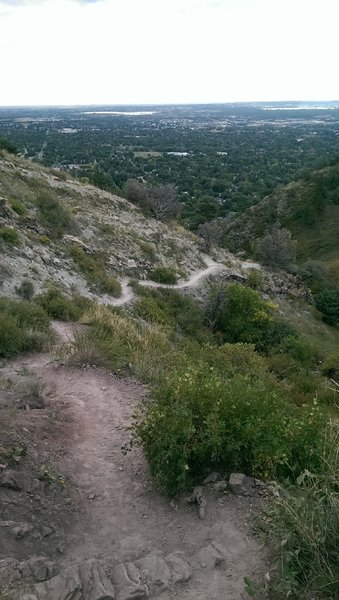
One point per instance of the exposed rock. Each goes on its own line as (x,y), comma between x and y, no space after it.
(240,484)
(9,572)
(198,497)
(71,239)
(154,572)
(180,569)
(21,531)
(38,569)
(211,478)
(128,580)
(132,547)
(211,556)
(85,581)
(220,486)
(15,480)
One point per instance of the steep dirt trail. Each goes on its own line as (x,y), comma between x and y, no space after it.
(120,513)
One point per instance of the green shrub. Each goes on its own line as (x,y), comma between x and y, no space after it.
(59,306)
(10,236)
(327,302)
(196,420)
(25,290)
(255,279)
(173,309)
(164,275)
(18,207)
(53,214)
(23,327)
(11,336)
(304,526)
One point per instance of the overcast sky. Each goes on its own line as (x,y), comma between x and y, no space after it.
(167,51)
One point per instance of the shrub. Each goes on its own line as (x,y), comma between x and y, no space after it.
(58,306)
(53,214)
(304,525)
(255,279)
(18,207)
(327,302)
(164,275)
(25,290)
(22,327)
(11,336)
(10,236)
(277,248)
(196,420)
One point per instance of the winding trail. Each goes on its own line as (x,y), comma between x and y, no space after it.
(127,293)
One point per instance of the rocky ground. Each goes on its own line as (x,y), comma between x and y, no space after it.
(81,520)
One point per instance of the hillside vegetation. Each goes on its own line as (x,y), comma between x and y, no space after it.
(308,208)
(234,382)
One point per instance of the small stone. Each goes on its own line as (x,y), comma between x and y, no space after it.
(240,484)
(211,478)
(220,486)
(21,531)
(92,496)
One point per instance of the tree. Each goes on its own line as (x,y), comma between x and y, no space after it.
(163,199)
(277,248)
(211,234)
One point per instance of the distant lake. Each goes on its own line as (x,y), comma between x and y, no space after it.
(117,112)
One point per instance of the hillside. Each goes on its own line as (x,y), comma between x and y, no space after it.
(56,230)
(309,208)
(153,400)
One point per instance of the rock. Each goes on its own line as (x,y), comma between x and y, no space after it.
(70,239)
(220,486)
(180,569)
(21,531)
(95,583)
(211,556)
(198,497)
(211,478)
(15,480)
(154,572)
(38,569)
(86,580)
(46,531)
(128,580)
(131,548)
(9,572)
(240,484)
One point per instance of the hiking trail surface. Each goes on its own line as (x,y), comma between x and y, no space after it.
(97,524)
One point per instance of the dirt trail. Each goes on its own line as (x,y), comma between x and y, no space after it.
(127,293)
(120,513)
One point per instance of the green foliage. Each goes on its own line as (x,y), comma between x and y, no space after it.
(23,327)
(254,279)
(239,313)
(327,302)
(53,214)
(10,236)
(59,306)
(196,420)
(164,275)
(8,146)
(330,366)
(304,525)
(93,267)
(11,337)
(25,290)
(18,207)
(173,309)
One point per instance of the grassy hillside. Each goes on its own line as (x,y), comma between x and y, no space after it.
(308,208)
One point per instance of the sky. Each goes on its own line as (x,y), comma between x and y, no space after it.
(72,52)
